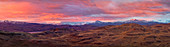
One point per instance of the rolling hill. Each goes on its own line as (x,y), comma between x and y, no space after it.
(125,35)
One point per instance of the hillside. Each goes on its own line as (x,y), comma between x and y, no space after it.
(126,35)
(123,35)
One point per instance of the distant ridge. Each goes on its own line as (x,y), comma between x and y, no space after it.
(13,22)
(17,26)
(141,22)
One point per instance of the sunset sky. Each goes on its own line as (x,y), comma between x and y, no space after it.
(57,11)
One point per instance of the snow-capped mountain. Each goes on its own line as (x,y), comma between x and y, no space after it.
(12,22)
(73,23)
(141,22)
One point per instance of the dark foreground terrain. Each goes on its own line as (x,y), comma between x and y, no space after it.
(126,35)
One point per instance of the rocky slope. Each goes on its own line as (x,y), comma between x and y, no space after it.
(21,39)
(123,35)
(126,35)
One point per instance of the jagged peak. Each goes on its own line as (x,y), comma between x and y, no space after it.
(136,20)
(97,21)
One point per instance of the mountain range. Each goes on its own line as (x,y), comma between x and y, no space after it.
(16,26)
(141,22)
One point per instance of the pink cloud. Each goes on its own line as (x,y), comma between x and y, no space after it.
(49,11)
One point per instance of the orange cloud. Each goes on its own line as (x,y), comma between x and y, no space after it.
(137,9)
(56,11)
(15,7)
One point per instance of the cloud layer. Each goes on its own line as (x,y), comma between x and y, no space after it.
(57,11)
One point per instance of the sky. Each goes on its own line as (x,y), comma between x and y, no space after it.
(59,11)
